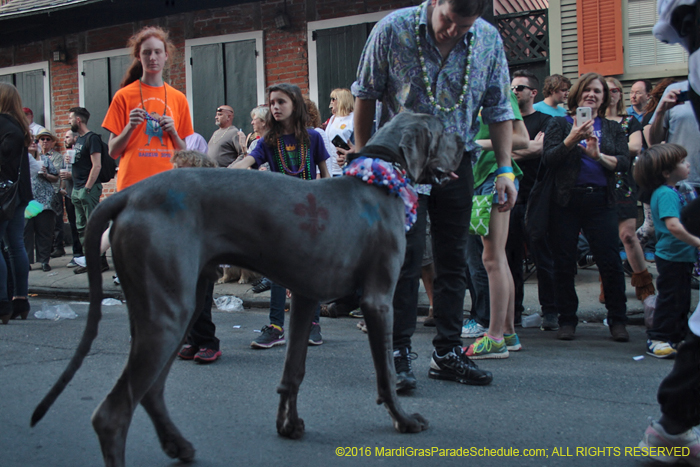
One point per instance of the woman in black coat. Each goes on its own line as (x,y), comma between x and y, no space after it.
(14,165)
(584,158)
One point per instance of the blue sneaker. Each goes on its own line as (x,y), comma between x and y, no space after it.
(472,329)
(649,256)
(512,342)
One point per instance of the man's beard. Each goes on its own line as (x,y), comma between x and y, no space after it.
(74,128)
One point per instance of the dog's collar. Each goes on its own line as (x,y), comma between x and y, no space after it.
(383,174)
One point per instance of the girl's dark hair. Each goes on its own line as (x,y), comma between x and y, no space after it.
(135,70)
(577,91)
(299,115)
(650,164)
(11,104)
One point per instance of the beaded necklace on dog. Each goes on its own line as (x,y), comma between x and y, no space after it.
(383,174)
(143,106)
(282,156)
(426,81)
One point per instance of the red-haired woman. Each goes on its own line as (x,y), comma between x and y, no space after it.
(148,118)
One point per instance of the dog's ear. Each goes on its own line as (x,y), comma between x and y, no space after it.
(416,146)
(449,150)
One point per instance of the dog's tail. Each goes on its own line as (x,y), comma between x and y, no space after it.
(99,219)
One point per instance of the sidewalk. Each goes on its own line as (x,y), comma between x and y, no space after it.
(62,282)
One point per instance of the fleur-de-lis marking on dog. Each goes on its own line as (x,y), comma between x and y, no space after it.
(316,215)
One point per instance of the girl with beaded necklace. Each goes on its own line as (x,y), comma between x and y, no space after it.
(291,148)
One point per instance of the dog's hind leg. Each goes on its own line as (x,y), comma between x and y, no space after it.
(379,316)
(155,339)
(288,422)
(171,440)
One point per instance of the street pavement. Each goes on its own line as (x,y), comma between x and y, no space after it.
(584,402)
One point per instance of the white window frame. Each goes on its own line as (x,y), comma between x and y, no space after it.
(259,60)
(646,72)
(48,120)
(93,56)
(313,26)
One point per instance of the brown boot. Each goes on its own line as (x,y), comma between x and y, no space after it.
(643,284)
(601,297)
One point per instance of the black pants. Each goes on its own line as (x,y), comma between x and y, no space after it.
(38,234)
(588,211)
(203,332)
(450,210)
(58,240)
(672,301)
(679,392)
(541,255)
(70,212)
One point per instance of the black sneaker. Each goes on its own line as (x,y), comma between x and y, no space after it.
(261,287)
(270,336)
(586,261)
(104,265)
(405,379)
(315,336)
(456,366)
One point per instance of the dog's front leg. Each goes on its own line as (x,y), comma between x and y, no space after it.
(380,322)
(288,422)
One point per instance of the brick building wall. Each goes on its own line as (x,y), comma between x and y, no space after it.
(286,52)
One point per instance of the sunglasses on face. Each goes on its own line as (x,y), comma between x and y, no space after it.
(45,139)
(333,99)
(520,88)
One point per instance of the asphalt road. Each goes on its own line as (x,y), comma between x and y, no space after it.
(580,403)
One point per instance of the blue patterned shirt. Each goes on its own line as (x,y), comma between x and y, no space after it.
(390,72)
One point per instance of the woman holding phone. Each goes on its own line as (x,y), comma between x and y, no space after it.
(340,128)
(584,150)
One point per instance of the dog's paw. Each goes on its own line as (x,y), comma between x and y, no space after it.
(291,428)
(411,424)
(178,447)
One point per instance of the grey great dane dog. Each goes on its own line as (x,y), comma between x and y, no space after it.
(322,239)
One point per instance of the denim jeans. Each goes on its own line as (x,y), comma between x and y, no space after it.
(278,297)
(203,332)
(450,210)
(590,212)
(12,232)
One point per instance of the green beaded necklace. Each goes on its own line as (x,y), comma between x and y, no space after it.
(426,81)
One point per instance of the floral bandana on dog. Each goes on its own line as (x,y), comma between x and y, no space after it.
(381,173)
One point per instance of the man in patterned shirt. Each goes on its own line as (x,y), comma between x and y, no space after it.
(439,58)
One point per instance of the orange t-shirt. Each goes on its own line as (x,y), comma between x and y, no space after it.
(149,149)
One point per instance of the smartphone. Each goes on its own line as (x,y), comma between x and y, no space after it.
(339,143)
(682,97)
(583,114)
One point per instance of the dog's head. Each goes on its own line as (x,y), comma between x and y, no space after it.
(419,144)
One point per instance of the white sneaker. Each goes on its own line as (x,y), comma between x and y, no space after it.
(681,447)
(472,329)
(80,261)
